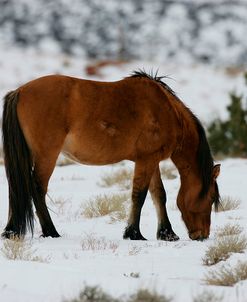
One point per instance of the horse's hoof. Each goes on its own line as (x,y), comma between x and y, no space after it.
(53,234)
(133,234)
(167,235)
(10,235)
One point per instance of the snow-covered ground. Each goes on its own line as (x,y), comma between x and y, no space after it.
(172,268)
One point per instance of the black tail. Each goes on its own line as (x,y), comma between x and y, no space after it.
(19,170)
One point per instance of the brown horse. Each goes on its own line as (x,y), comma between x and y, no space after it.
(138,118)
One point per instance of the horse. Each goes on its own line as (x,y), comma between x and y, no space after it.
(138,118)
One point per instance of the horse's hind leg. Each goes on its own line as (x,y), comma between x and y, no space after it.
(44,166)
(142,176)
(158,194)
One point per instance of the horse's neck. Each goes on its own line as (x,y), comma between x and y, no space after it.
(185,157)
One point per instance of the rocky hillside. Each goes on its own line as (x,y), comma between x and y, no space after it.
(205,31)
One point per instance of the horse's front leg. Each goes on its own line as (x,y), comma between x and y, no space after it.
(158,194)
(142,176)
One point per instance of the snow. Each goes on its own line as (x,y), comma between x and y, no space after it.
(200,31)
(172,268)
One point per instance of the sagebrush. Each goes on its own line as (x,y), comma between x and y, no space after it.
(228,203)
(207,296)
(19,249)
(92,243)
(227,275)
(121,177)
(229,230)
(223,247)
(114,205)
(97,294)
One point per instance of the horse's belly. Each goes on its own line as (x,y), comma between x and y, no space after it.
(91,151)
(88,160)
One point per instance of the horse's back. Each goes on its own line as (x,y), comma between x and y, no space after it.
(98,122)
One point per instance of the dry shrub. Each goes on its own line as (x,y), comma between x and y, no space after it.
(134,250)
(64,161)
(144,295)
(234,71)
(18,249)
(102,205)
(96,294)
(223,247)
(207,296)
(121,178)
(227,275)
(228,204)
(93,294)
(229,230)
(91,243)
(168,172)
(77,177)
(60,205)
(94,68)
(173,206)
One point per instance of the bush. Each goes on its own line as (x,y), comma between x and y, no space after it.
(18,249)
(223,247)
(168,172)
(102,205)
(229,230)
(230,137)
(93,294)
(122,178)
(144,295)
(96,294)
(228,203)
(91,243)
(227,275)
(207,296)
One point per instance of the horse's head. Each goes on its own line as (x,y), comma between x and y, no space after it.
(196,208)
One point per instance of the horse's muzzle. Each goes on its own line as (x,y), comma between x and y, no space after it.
(197,236)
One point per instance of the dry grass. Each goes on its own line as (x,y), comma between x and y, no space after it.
(64,161)
(227,275)
(18,249)
(207,296)
(168,172)
(122,178)
(144,295)
(134,250)
(91,243)
(223,247)
(229,230)
(96,294)
(77,177)
(173,206)
(234,71)
(60,203)
(93,294)
(228,204)
(113,205)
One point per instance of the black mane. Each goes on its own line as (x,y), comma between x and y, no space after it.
(154,77)
(204,157)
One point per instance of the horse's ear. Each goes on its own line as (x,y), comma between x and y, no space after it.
(216,171)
